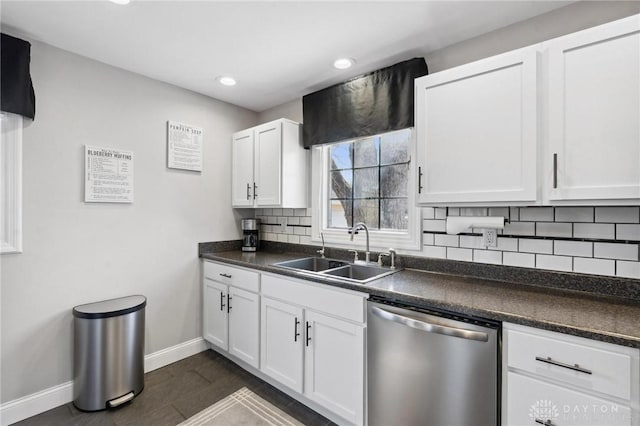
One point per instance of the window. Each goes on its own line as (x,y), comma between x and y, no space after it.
(368,180)
(11,183)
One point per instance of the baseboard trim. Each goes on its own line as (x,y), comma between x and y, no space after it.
(39,402)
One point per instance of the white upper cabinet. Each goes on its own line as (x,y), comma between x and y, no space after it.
(242,169)
(477,131)
(556,123)
(269,166)
(594,114)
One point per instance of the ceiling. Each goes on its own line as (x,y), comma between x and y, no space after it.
(276,50)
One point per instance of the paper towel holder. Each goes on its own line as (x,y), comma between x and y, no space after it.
(458,224)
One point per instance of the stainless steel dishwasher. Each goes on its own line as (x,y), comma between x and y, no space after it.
(429,368)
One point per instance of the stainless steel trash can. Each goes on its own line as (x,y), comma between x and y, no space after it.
(108,352)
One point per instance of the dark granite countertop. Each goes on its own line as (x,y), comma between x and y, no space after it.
(604,318)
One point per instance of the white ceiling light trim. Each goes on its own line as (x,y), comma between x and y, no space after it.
(225,80)
(343,63)
(120,1)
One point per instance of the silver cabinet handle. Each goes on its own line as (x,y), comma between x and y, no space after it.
(574,367)
(248,190)
(419,180)
(555,170)
(255,190)
(430,328)
(225,275)
(544,422)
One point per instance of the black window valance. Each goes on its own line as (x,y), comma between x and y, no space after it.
(372,103)
(16,90)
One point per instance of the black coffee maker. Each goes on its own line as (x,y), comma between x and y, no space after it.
(250,239)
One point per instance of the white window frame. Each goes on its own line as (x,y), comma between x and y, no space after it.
(11,184)
(380,240)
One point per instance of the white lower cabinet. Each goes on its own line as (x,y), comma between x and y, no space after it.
(318,354)
(334,367)
(231,315)
(305,336)
(556,380)
(533,402)
(282,342)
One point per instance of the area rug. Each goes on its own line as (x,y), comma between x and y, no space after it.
(242,407)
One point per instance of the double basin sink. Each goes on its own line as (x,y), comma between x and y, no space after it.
(338,270)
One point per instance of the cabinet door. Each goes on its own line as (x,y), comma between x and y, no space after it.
(214,328)
(531,401)
(242,156)
(594,113)
(476,128)
(334,365)
(282,342)
(244,322)
(268,159)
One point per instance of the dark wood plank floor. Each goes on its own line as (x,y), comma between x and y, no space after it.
(178,391)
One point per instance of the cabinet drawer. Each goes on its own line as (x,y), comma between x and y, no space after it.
(231,275)
(531,399)
(338,303)
(600,370)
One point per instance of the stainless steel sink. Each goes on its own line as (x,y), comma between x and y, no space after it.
(337,270)
(360,273)
(312,264)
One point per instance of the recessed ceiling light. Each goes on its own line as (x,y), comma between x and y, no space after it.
(226,80)
(343,63)
(120,1)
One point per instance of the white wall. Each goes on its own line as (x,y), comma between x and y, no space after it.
(291,110)
(76,252)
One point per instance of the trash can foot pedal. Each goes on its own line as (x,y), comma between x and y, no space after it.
(120,400)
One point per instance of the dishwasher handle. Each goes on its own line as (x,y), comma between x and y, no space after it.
(429,327)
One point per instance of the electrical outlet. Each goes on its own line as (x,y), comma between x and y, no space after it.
(490,237)
(283,225)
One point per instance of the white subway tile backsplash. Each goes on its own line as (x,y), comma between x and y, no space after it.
(441,213)
(554,229)
(454,211)
(499,211)
(434,251)
(594,266)
(434,225)
(446,240)
(427,239)
(470,241)
(555,263)
(287,212)
(460,254)
(307,231)
(524,260)
(267,212)
(573,248)
(574,214)
(618,214)
(527,245)
(628,232)
(601,231)
(473,211)
(616,251)
(283,238)
(270,236)
(305,239)
(506,244)
(306,221)
(294,239)
(487,256)
(299,230)
(429,213)
(628,269)
(519,228)
(300,212)
(277,212)
(536,214)
(293,220)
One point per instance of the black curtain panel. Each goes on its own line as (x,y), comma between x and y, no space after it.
(16,90)
(377,102)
